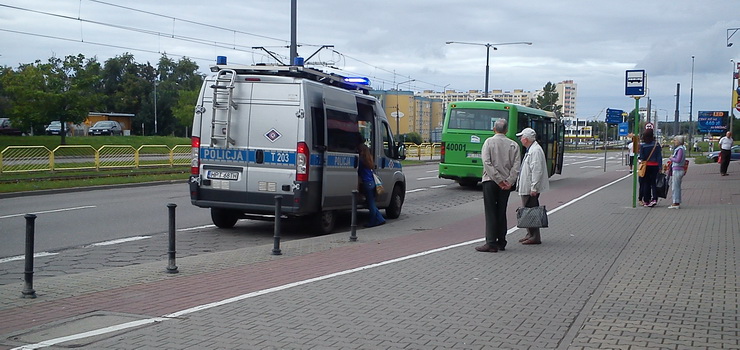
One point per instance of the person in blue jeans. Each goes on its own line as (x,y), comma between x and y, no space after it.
(678,170)
(365,172)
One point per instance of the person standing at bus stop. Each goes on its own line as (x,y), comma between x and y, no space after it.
(533,179)
(651,154)
(501,160)
(725,148)
(367,180)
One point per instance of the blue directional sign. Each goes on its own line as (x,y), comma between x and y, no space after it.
(614,116)
(624,129)
(634,84)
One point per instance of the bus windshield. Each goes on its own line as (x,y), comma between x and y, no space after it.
(475,119)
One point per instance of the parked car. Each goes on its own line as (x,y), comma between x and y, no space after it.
(7,129)
(55,128)
(106,127)
(734,154)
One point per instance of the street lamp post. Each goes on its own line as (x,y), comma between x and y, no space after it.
(155,108)
(398,116)
(734,104)
(691,107)
(488,54)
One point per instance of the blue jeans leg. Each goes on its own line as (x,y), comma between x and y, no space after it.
(375,217)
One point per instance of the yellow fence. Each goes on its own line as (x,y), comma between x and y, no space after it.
(19,159)
(423,151)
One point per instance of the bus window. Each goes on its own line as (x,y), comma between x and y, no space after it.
(474,119)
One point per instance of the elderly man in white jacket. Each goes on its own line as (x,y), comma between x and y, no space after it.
(533,179)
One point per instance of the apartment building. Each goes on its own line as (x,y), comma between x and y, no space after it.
(409,113)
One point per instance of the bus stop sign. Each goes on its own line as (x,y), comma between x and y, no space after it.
(634,84)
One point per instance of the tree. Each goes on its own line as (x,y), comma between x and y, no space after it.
(61,89)
(548,100)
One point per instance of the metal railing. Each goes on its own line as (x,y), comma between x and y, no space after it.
(423,151)
(23,159)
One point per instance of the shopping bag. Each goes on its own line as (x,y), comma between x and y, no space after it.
(661,185)
(378,185)
(533,217)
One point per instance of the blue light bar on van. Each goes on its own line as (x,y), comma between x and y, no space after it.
(220,59)
(357,80)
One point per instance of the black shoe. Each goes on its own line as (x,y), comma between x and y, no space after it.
(487,248)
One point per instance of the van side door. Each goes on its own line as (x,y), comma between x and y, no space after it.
(340,159)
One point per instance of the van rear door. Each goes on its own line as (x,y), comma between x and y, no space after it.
(340,159)
(272,134)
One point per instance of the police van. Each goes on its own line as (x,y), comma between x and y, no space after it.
(290,131)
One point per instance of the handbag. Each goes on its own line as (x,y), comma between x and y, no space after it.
(661,185)
(378,185)
(641,169)
(533,217)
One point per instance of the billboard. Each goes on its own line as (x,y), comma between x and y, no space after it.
(713,121)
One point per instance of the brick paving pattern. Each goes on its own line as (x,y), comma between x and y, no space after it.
(608,276)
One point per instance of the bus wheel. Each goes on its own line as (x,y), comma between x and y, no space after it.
(224,218)
(468,183)
(325,221)
(394,208)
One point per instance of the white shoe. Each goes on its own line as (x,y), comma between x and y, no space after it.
(674,206)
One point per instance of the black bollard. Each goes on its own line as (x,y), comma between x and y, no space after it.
(171,267)
(278,214)
(353,230)
(28,291)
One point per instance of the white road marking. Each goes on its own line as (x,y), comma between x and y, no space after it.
(117,241)
(416,190)
(195,228)
(21,257)
(427,178)
(106,330)
(49,211)
(438,186)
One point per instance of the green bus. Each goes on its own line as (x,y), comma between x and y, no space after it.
(468,124)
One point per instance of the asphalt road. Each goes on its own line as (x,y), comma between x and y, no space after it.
(88,230)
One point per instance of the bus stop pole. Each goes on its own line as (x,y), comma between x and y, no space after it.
(635,138)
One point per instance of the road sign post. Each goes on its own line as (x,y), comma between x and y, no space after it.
(634,86)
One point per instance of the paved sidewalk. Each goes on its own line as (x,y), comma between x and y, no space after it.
(608,276)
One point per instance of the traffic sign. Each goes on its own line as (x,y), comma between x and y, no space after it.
(614,116)
(649,126)
(624,129)
(634,84)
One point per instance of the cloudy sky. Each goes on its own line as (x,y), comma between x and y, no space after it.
(590,42)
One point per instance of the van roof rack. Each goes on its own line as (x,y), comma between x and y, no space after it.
(296,72)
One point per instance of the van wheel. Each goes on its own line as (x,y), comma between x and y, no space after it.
(394,208)
(224,218)
(324,222)
(468,183)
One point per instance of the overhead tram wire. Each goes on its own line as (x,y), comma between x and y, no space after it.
(206,42)
(101,44)
(190,21)
(210,43)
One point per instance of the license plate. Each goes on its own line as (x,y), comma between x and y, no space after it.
(473,155)
(222,175)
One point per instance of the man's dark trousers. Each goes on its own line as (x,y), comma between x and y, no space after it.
(494,204)
(725,155)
